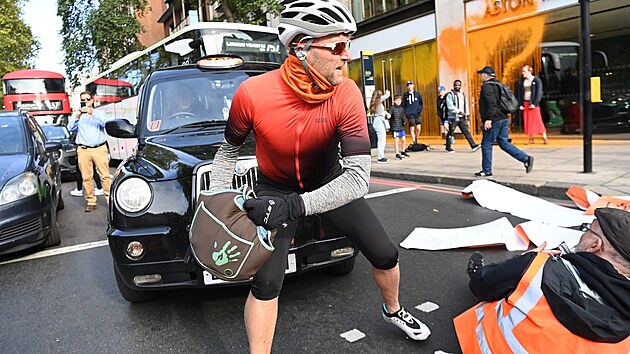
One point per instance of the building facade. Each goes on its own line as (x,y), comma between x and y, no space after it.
(434,42)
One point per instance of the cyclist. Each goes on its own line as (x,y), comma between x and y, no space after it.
(299,115)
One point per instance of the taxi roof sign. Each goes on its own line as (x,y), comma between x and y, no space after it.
(219,61)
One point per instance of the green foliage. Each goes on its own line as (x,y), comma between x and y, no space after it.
(78,51)
(114,28)
(18,47)
(98,32)
(250,11)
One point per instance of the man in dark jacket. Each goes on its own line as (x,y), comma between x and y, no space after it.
(575,302)
(412,103)
(495,125)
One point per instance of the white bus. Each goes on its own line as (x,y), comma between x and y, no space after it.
(115,90)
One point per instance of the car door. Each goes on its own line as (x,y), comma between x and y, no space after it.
(46,164)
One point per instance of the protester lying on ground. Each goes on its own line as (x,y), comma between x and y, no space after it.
(570,302)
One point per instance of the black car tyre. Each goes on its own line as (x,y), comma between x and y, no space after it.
(132,295)
(53,238)
(342,268)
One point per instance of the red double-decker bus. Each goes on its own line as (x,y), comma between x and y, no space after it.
(40,92)
(109,91)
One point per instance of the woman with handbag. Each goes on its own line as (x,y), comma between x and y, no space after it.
(529,97)
(380,123)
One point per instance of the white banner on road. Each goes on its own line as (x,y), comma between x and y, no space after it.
(497,197)
(496,232)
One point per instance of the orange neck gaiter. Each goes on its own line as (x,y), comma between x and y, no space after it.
(296,77)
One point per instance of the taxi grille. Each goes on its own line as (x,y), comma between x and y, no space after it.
(23,228)
(245,174)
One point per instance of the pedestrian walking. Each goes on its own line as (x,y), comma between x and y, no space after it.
(309,99)
(441,112)
(380,122)
(397,119)
(412,103)
(530,95)
(495,125)
(89,125)
(458,115)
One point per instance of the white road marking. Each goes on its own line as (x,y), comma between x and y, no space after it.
(390,192)
(85,246)
(353,335)
(427,307)
(61,250)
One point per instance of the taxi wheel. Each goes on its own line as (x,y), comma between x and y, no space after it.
(342,268)
(132,295)
(53,238)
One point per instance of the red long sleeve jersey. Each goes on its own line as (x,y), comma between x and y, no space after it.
(297,142)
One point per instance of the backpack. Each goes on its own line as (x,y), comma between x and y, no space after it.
(507,101)
(418,147)
(441,107)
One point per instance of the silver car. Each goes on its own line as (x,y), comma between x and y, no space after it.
(68,158)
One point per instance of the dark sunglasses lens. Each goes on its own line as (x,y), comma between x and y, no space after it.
(340,47)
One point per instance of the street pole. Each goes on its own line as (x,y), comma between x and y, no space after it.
(585,85)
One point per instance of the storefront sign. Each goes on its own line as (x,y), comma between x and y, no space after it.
(484,13)
(367,68)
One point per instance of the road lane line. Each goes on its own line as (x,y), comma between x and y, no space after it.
(389,192)
(57,251)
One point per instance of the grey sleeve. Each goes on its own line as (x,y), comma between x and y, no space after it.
(450,105)
(223,166)
(352,184)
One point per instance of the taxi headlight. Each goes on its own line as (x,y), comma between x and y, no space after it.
(19,187)
(133,194)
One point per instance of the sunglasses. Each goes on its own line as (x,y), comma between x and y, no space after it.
(336,48)
(587,227)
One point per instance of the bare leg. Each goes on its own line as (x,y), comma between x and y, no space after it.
(260,323)
(419,127)
(387,282)
(412,130)
(545,138)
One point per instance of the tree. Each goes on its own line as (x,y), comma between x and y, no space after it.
(18,47)
(250,11)
(98,32)
(114,29)
(77,40)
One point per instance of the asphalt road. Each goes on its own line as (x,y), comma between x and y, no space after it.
(69,303)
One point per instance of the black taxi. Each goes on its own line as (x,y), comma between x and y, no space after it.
(182,113)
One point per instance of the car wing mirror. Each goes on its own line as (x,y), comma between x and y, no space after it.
(52,146)
(121,128)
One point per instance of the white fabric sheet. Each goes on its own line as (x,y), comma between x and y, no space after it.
(538,233)
(496,232)
(497,197)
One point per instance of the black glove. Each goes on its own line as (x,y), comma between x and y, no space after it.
(271,212)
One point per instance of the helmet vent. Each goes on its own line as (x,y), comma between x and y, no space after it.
(314,19)
(345,14)
(332,14)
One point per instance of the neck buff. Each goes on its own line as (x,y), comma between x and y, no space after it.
(295,76)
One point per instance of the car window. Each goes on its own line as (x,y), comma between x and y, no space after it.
(180,101)
(12,140)
(40,138)
(55,132)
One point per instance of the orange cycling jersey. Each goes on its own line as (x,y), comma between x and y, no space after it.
(297,142)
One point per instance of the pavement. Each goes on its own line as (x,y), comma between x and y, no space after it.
(557,165)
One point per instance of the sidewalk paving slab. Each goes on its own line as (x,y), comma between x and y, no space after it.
(557,166)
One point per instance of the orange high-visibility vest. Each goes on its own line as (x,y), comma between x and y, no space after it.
(524,323)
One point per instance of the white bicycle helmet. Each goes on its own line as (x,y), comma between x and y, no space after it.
(314,18)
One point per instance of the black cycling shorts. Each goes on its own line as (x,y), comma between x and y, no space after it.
(356,220)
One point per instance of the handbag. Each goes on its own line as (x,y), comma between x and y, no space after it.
(223,240)
(386,123)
